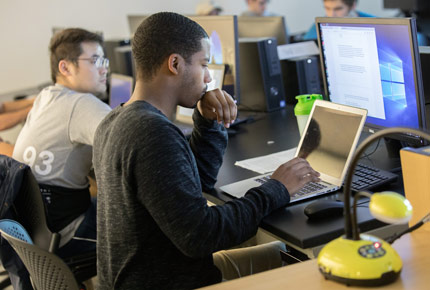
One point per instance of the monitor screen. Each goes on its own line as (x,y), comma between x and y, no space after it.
(222,31)
(271,26)
(120,89)
(373,63)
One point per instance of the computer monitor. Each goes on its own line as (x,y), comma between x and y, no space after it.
(222,31)
(271,26)
(120,89)
(374,63)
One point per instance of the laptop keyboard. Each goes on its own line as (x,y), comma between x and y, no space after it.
(310,188)
(365,178)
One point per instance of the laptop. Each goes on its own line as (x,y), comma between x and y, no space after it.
(327,143)
(120,89)
(184,116)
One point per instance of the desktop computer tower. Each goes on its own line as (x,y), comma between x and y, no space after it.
(261,87)
(301,76)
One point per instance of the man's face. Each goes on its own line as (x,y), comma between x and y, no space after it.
(85,76)
(257,6)
(196,76)
(336,8)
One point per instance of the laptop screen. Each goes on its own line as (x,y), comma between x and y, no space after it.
(330,138)
(120,89)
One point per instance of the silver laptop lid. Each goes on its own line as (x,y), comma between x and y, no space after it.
(330,138)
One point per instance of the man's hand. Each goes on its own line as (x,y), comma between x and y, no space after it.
(294,174)
(218,105)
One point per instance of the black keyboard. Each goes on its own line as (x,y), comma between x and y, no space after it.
(368,177)
(365,178)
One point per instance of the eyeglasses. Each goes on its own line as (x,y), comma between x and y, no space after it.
(98,61)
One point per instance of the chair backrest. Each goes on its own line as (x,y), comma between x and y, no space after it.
(30,210)
(15,229)
(47,271)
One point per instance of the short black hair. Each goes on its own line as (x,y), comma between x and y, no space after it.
(348,3)
(66,45)
(162,34)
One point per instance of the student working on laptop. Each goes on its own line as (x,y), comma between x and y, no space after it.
(155,229)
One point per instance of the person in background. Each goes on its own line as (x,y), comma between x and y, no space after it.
(347,8)
(155,228)
(208,7)
(257,8)
(14,112)
(56,140)
(337,8)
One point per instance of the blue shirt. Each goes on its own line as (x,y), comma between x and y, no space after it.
(312,32)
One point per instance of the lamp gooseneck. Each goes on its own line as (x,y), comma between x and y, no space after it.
(351,228)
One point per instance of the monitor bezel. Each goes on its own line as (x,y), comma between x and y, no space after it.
(416,65)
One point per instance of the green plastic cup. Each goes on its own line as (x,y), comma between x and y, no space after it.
(303,109)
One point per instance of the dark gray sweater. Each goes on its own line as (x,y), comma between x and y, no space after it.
(155,230)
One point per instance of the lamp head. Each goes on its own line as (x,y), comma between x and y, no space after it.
(390,207)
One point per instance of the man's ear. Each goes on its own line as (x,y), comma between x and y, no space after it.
(175,63)
(64,67)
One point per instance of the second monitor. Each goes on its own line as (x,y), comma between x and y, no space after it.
(373,63)
(271,26)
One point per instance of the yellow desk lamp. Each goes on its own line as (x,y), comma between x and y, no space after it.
(360,259)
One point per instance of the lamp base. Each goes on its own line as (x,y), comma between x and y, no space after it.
(366,262)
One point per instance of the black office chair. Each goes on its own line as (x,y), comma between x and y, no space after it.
(29,210)
(47,271)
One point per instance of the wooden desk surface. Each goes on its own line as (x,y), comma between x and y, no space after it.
(413,248)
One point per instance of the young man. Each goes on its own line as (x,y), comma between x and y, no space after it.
(155,229)
(337,8)
(56,140)
(257,8)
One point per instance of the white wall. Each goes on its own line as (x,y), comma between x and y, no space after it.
(26,26)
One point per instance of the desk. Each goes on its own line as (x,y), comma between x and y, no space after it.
(289,224)
(414,250)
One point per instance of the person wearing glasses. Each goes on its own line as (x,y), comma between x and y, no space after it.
(56,140)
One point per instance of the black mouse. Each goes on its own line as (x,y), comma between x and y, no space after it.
(323,209)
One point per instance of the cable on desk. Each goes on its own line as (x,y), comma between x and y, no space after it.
(394,237)
(367,155)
